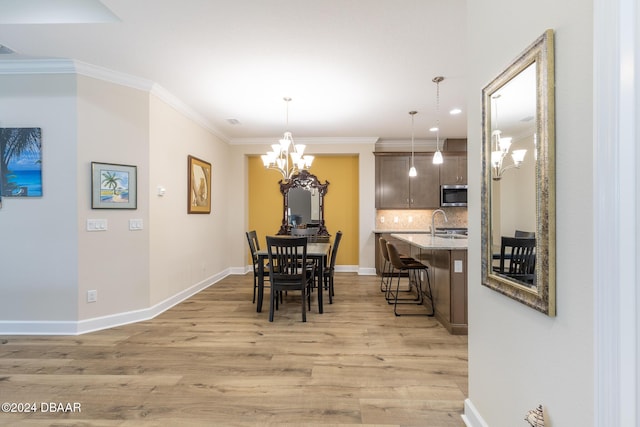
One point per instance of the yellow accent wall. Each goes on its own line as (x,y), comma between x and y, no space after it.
(341,209)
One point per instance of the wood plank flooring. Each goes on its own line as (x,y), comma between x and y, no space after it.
(214,361)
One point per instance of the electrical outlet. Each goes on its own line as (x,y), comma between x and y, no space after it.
(92,296)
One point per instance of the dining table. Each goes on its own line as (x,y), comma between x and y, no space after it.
(318,252)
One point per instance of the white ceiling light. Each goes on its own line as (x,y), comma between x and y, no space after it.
(278,159)
(455,111)
(437,156)
(412,169)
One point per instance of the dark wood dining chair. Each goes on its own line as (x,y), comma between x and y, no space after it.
(254,247)
(517,259)
(329,270)
(289,271)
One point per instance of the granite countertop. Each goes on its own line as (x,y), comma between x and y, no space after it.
(425,241)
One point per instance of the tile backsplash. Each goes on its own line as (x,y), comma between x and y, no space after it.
(403,219)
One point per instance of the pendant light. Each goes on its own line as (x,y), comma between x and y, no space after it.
(412,170)
(437,156)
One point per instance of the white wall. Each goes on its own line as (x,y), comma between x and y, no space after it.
(113,127)
(519,358)
(186,249)
(47,257)
(39,243)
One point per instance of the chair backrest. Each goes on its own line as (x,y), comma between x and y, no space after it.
(383,249)
(254,245)
(334,250)
(521,254)
(529,234)
(394,256)
(287,258)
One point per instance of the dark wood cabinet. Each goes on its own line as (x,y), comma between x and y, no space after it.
(454,168)
(448,274)
(396,190)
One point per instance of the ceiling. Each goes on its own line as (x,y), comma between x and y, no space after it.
(353,68)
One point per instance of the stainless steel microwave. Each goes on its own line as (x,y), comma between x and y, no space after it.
(453,195)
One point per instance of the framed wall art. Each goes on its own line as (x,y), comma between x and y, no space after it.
(199,186)
(21,162)
(113,186)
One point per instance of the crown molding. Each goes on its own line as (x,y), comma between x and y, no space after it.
(307,140)
(69,66)
(22,65)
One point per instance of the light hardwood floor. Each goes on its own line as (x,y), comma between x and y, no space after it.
(212,360)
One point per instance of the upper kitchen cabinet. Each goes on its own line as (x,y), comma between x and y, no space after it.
(396,190)
(454,168)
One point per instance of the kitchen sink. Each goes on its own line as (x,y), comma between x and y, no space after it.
(451,236)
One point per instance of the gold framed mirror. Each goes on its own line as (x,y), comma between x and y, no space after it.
(518,186)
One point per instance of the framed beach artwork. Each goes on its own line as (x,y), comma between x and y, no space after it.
(199,186)
(21,162)
(113,186)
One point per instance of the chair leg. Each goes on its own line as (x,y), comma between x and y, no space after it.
(420,299)
(304,311)
(272,302)
(255,287)
(430,295)
(392,297)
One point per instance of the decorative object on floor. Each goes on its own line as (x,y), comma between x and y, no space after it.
(21,162)
(535,417)
(437,156)
(199,186)
(113,186)
(278,159)
(526,200)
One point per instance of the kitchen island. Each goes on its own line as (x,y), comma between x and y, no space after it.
(446,256)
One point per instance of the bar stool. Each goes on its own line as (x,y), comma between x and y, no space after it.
(387,267)
(413,268)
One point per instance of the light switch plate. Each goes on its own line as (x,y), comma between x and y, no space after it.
(135,224)
(457,266)
(96,225)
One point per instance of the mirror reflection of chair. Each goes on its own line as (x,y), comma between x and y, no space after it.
(528,234)
(254,247)
(289,270)
(415,269)
(518,259)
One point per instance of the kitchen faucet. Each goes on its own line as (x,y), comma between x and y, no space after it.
(433,216)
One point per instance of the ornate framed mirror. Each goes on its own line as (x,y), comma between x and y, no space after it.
(303,202)
(518,186)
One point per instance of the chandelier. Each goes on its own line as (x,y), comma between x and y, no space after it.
(500,148)
(278,158)
(437,156)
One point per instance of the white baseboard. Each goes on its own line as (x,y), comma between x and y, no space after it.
(112,320)
(471,416)
(367,271)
